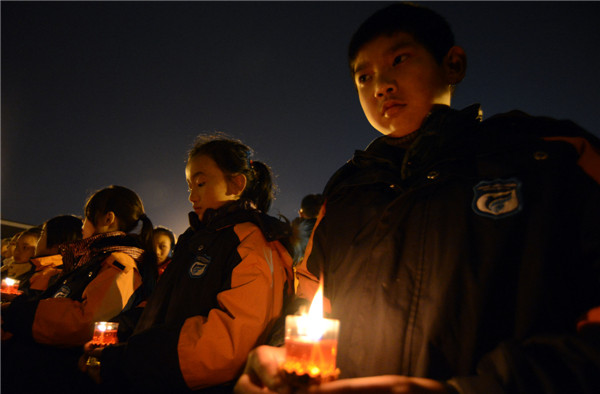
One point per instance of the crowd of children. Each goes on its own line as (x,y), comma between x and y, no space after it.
(189,311)
(441,247)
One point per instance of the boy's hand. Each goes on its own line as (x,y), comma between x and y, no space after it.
(261,374)
(382,384)
(89,361)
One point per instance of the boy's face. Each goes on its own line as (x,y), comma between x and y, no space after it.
(398,81)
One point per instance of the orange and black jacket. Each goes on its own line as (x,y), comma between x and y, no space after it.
(218,298)
(101,282)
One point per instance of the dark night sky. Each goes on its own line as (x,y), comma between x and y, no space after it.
(100,93)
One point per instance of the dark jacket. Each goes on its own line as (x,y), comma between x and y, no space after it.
(466,251)
(217,299)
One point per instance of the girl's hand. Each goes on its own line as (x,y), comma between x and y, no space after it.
(89,362)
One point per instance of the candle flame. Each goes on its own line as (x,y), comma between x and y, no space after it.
(9,281)
(101,326)
(316,307)
(314,324)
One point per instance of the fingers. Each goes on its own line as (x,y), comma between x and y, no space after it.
(261,374)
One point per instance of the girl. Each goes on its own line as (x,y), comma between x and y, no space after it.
(101,274)
(164,242)
(223,289)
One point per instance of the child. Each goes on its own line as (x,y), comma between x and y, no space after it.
(24,251)
(223,289)
(441,246)
(104,273)
(164,242)
(101,273)
(48,261)
(10,250)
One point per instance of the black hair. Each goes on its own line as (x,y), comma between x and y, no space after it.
(61,229)
(129,210)
(426,26)
(167,232)
(33,231)
(311,205)
(233,158)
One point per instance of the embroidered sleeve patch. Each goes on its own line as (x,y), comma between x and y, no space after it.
(63,292)
(498,198)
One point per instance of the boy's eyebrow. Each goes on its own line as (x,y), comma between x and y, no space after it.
(396,47)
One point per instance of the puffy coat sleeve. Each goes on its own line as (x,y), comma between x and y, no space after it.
(66,322)
(211,350)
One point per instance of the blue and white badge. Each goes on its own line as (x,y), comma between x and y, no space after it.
(201,262)
(63,292)
(498,198)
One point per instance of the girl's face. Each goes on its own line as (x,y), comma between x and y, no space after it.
(25,249)
(162,247)
(208,186)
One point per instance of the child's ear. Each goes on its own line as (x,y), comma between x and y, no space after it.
(236,184)
(455,64)
(109,219)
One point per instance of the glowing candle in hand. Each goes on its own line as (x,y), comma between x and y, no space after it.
(311,342)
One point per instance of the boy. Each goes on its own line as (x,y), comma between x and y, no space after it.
(442,246)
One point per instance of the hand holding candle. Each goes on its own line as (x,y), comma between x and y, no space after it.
(105,333)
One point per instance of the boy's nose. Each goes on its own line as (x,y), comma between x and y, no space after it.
(384,86)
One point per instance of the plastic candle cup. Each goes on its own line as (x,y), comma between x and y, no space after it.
(311,347)
(105,333)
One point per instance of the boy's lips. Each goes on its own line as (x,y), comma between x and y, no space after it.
(391,108)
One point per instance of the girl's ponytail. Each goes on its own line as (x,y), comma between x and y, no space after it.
(259,189)
(148,269)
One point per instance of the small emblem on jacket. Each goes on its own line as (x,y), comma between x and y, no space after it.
(63,292)
(498,198)
(199,265)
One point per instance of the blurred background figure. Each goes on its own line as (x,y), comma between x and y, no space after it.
(164,242)
(23,252)
(8,258)
(303,225)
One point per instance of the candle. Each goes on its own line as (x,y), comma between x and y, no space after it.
(311,346)
(105,333)
(10,286)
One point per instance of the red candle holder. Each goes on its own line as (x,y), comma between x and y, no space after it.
(105,333)
(311,350)
(10,286)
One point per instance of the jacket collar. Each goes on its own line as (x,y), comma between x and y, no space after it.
(240,211)
(42,262)
(441,132)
